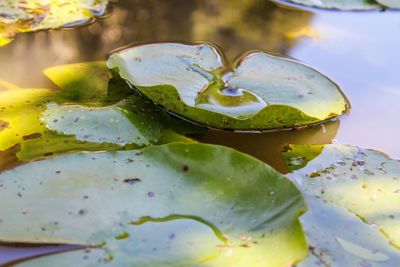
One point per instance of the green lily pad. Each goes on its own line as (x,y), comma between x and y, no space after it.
(167,205)
(353,198)
(20,114)
(91,112)
(34,15)
(261,92)
(116,124)
(338,238)
(350,4)
(22,123)
(86,81)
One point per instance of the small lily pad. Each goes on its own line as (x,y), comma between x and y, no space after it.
(261,92)
(353,195)
(34,15)
(167,205)
(350,4)
(339,4)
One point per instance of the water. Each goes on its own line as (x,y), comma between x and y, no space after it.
(358,50)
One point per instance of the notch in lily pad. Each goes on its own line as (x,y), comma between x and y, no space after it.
(258,92)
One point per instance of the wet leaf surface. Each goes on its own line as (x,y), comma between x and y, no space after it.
(261,92)
(113,124)
(353,198)
(167,205)
(90,112)
(34,15)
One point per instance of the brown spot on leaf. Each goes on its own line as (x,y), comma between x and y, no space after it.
(8,158)
(185,168)
(132,181)
(315,174)
(31,136)
(82,212)
(3,125)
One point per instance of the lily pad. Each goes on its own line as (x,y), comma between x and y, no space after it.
(339,238)
(339,4)
(353,198)
(23,124)
(87,81)
(116,124)
(350,4)
(167,205)
(260,92)
(91,112)
(34,15)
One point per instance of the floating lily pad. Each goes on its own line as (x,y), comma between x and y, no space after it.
(339,4)
(260,92)
(353,195)
(339,238)
(349,4)
(43,122)
(34,15)
(23,124)
(167,205)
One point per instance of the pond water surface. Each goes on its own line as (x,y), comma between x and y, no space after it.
(358,50)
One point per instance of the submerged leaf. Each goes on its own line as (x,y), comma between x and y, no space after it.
(167,205)
(262,91)
(33,15)
(353,195)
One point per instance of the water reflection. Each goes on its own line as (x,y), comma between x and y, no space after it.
(235,25)
(267,146)
(360,51)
